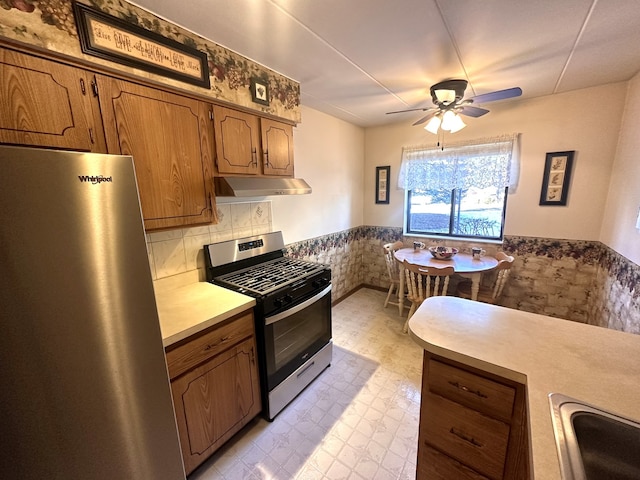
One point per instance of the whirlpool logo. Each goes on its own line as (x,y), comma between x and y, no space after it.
(94,179)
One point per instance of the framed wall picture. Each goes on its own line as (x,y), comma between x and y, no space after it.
(113,39)
(382,184)
(557,175)
(259,91)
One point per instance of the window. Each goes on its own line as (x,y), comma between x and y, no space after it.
(461,191)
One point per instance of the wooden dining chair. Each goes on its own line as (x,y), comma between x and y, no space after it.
(393,271)
(490,294)
(424,282)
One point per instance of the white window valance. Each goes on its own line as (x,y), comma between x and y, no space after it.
(487,162)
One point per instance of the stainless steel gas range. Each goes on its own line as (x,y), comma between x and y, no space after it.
(292,313)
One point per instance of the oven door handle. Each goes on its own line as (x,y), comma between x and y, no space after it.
(297,308)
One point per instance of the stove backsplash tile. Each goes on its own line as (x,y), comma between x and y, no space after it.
(241,216)
(169,257)
(260,214)
(174,252)
(224,218)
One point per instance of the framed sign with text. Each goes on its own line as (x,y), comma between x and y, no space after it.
(113,39)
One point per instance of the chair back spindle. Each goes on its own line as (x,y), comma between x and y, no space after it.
(393,272)
(424,282)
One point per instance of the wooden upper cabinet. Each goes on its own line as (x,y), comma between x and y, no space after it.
(277,147)
(250,145)
(47,104)
(237,141)
(170,139)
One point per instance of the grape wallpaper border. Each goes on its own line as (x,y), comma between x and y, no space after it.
(50,24)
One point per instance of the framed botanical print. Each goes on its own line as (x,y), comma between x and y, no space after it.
(382,184)
(260,91)
(557,175)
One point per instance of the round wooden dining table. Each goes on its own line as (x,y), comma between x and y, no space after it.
(463,264)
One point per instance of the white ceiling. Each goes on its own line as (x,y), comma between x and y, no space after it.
(357,59)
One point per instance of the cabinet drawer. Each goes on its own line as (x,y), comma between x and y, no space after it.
(434,465)
(471,390)
(198,349)
(466,435)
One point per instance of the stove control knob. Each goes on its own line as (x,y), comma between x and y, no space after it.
(288,298)
(320,282)
(277,303)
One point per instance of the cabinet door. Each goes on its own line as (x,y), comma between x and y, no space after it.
(170,139)
(277,148)
(45,104)
(237,141)
(215,400)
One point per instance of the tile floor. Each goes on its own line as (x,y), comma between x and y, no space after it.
(357,420)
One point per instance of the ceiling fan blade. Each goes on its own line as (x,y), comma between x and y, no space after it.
(424,109)
(425,118)
(470,111)
(498,95)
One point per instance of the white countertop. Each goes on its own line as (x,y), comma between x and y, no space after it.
(592,364)
(191,308)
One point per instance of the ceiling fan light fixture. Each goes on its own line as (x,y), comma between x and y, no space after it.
(457,124)
(433,125)
(445,96)
(448,120)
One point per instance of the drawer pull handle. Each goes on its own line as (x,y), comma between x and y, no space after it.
(305,369)
(213,345)
(461,435)
(468,390)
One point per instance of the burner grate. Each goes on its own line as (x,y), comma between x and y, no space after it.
(266,277)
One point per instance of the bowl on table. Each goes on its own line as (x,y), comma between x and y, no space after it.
(443,253)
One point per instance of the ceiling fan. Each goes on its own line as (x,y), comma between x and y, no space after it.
(447,97)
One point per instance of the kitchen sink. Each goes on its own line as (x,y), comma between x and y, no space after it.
(593,443)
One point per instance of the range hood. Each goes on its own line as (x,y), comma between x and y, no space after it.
(259,186)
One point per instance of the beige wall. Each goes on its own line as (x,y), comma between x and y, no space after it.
(587,121)
(329,155)
(623,202)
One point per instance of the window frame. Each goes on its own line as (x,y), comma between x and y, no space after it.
(454,236)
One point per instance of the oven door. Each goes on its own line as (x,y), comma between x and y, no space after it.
(295,335)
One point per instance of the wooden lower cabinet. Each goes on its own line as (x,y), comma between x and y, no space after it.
(437,466)
(472,424)
(215,387)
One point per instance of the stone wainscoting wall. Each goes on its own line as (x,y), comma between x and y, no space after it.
(583,281)
(615,299)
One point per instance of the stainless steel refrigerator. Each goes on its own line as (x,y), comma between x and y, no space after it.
(84,389)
